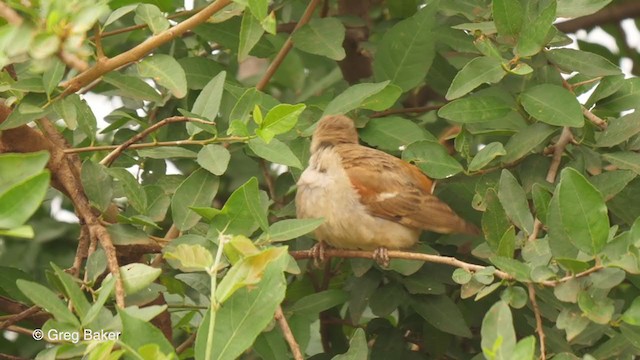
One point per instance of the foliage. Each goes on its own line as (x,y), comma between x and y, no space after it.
(189,244)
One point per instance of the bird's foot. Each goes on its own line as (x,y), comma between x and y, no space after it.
(381,256)
(318,253)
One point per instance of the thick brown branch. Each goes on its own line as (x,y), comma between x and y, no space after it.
(102,67)
(610,14)
(594,118)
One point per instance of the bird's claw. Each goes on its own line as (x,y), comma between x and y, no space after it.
(318,254)
(381,256)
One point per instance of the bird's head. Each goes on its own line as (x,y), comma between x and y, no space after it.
(334,130)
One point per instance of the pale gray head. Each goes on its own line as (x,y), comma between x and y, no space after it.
(334,130)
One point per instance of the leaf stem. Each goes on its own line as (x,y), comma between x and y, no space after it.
(222,239)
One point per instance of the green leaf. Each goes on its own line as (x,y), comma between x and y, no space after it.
(632,315)
(514,201)
(66,109)
(322,37)
(475,109)
(86,119)
(358,348)
(244,316)
(525,348)
(132,87)
(384,99)
(243,210)
(97,184)
(15,168)
(432,158)
(498,335)
(250,33)
(583,213)
(486,155)
(441,312)
(208,102)
(619,130)
(578,8)
(495,223)
(137,333)
(311,305)
(167,152)
(610,183)
(136,276)
(199,71)
(282,118)
(44,45)
(72,289)
(353,97)
(536,29)
(258,8)
(526,140)
(291,228)
(519,270)
(24,232)
(132,189)
(166,71)
(461,276)
(152,16)
(586,63)
(47,300)
(476,72)
(214,158)
(275,151)
(625,97)
(23,114)
(52,77)
(198,190)
(598,310)
(553,105)
(192,257)
(406,51)
(541,198)
(392,133)
(624,160)
(508,16)
(20,201)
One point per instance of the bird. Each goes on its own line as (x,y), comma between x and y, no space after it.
(369,200)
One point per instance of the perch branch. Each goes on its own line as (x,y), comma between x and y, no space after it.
(558,149)
(594,118)
(160,144)
(409,110)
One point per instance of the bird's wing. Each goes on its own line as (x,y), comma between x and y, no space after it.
(395,190)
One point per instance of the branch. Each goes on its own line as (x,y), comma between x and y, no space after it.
(594,118)
(7,13)
(102,67)
(539,329)
(558,149)
(610,14)
(277,61)
(108,160)
(229,139)
(288,335)
(396,254)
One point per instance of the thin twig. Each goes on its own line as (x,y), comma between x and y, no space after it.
(7,13)
(108,160)
(102,67)
(558,149)
(186,344)
(537,225)
(268,179)
(98,41)
(277,61)
(230,139)
(288,335)
(19,317)
(409,110)
(73,61)
(585,82)
(538,316)
(594,118)
(142,26)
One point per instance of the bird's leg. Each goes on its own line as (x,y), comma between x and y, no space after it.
(317,252)
(381,256)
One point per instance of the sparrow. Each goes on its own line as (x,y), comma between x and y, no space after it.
(369,200)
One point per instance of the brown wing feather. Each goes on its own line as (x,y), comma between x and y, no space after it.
(396,190)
